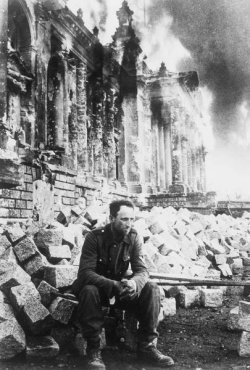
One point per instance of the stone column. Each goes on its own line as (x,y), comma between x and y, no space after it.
(81,100)
(193,159)
(168,155)
(161,157)
(109,150)
(3,59)
(97,128)
(203,169)
(184,160)
(176,145)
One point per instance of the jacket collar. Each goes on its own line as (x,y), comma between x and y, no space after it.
(109,237)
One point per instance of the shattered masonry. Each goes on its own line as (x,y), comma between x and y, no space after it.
(79,119)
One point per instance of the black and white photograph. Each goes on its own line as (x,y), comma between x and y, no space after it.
(125,184)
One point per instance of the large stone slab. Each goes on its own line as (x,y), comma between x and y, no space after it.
(244,345)
(244,316)
(36,265)
(46,237)
(6,312)
(211,297)
(189,298)
(60,276)
(4,244)
(35,318)
(47,293)
(22,294)
(233,319)
(41,347)
(25,249)
(13,277)
(15,233)
(55,253)
(62,309)
(12,339)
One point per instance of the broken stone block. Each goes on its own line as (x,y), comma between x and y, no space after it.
(12,339)
(169,307)
(55,253)
(244,344)
(9,256)
(189,298)
(41,347)
(211,297)
(233,319)
(245,260)
(212,274)
(216,247)
(12,277)
(22,294)
(220,259)
(62,309)
(60,276)
(47,293)
(35,318)
(14,234)
(36,265)
(4,244)
(237,266)
(6,312)
(225,270)
(244,315)
(46,237)
(25,249)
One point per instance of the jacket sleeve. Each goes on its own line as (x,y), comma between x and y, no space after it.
(139,269)
(87,269)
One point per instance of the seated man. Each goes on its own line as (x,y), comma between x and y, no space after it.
(105,259)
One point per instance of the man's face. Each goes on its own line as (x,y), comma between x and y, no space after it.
(124,220)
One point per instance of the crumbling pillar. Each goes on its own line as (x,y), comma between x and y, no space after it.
(184,160)
(82,155)
(176,145)
(3,59)
(97,142)
(162,157)
(168,155)
(109,149)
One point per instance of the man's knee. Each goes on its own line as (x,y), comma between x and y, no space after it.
(88,291)
(152,288)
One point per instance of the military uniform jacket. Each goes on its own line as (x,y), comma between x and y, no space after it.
(103,260)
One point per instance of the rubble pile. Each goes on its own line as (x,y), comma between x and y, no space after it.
(38,266)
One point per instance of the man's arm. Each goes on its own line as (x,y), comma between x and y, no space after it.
(140,272)
(87,269)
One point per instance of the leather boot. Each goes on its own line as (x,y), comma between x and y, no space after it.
(149,353)
(95,360)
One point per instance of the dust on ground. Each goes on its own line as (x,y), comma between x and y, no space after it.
(196,338)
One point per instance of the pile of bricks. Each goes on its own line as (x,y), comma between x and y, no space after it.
(37,315)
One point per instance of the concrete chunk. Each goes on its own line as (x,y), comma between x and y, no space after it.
(211,297)
(244,344)
(47,293)
(25,249)
(41,347)
(12,339)
(60,276)
(22,294)
(244,315)
(62,309)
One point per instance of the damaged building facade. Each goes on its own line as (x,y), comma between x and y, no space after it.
(80,119)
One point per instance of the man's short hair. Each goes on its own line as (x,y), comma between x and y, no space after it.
(115,206)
